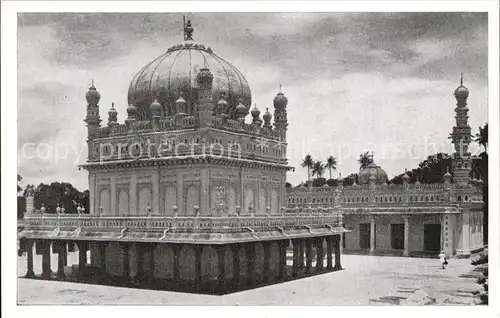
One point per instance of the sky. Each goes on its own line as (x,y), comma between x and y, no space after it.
(355,82)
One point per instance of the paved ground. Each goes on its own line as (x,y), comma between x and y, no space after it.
(366,280)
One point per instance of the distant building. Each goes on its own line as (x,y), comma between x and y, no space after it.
(408,219)
(185,194)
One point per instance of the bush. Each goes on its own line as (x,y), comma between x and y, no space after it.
(482,259)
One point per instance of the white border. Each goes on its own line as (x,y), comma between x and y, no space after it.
(9,134)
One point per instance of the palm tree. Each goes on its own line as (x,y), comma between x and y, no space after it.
(318,169)
(482,137)
(331,163)
(308,162)
(365,159)
(19,179)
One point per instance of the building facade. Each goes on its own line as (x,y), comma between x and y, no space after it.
(412,218)
(185,194)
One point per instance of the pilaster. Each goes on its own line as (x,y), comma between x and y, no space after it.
(133,195)
(406,251)
(112,195)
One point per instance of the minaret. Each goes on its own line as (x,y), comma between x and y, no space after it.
(204,80)
(461,137)
(93,120)
(280,121)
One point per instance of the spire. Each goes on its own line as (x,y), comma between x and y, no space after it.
(461,78)
(188,29)
(280,88)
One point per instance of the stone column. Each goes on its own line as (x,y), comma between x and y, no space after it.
(198,250)
(372,235)
(46,271)
(133,195)
(61,247)
(236,265)
(29,252)
(336,244)
(319,254)
(329,251)
(406,251)
(102,257)
(92,194)
(82,258)
(126,262)
(151,271)
(180,194)
(65,252)
(283,267)
(295,268)
(250,250)
(176,249)
(205,192)
(309,256)
(221,256)
(267,255)
(302,244)
(141,254)
(112,195)
(155,189)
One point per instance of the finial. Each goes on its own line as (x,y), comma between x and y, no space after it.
(113,105)
(280,87)
(92,82)
(461,78)
(188,29)
(406,170)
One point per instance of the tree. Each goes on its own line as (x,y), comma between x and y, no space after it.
(331,163)
(318,169)
(482,137)
(364,160)
(288,185)
(349,180)
(308,162)
(61,193)
(431,170)
(19,188)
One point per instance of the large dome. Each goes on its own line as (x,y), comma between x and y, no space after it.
(174,74)
(372,171)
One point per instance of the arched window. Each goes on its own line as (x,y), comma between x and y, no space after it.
(466,199)
(459,199)
(426,198)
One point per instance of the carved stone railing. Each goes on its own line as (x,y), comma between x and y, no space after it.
(181,223)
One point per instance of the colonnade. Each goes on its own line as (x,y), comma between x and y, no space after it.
(254,275)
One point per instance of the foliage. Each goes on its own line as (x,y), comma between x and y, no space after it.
(288,185)
(331,164)
(430,170)
(319,182)
(349,180)
(61,193)
(19,188)
(483,281)
(21,207)
(365,159)
(332,182)
(307,162)
(318,169)
(482,136)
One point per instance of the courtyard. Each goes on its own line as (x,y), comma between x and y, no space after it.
(365,280)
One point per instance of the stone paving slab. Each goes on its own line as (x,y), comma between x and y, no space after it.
(365,280)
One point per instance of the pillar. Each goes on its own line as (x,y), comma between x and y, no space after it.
(29,252)
(336,244)
(155,187)
(126,262)
(329,251)
(46,271)
(92,194)
(205,192)
(65,252)
(141,254)
(295,267)
(283,267)
(236,265)
(302,249)
(151,271)
(309,256)
(198,250)
(267,255)
(372,235)
(250,250)
(406,251)
(320,254)
(112,195)
(221,256)
(180,194)
(133,195)
(82,258)
(61,247)
(176,249)
(102,257)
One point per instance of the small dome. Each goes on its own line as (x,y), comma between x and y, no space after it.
(241,110)
(222,105)
(255,111)
(280,101)
(267,116)
(461,92)
(112,111)
(131,110)
(155,106)
(372,172)
(180,100)
(92,96)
